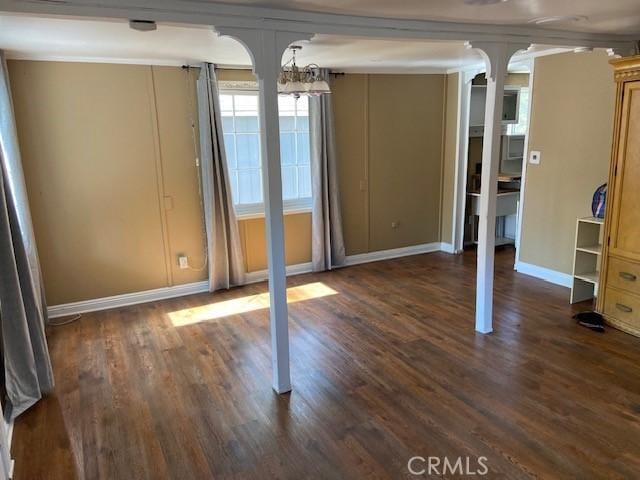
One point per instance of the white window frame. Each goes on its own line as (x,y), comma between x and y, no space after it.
(248,211)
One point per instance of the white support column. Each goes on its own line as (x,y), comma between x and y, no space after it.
(266,48)
(496,57)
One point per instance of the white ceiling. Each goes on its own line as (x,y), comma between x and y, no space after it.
(50,38)
(602,16)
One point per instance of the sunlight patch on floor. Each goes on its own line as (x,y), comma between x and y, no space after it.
(250,303)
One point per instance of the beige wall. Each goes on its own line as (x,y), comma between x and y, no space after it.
(405,159)
(350,105)
(389,131)
(518,79)
(571,124)
(175,100)
(235,75)
(110,171)
(109,162)
(297,229)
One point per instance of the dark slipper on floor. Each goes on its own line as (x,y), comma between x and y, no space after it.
(591,320)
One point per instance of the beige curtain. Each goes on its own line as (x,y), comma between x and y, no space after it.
(226,262)
(327,241)
(28,373)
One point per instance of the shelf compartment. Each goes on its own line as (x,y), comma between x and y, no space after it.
(596,220)
(590,277)
(586,259)
(593,249)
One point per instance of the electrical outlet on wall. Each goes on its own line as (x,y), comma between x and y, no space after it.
(534,157)
(395,224)
(183,262)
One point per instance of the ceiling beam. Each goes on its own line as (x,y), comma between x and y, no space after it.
(217,14)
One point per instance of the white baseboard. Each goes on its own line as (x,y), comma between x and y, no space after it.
(126,299)
(552,276)
(393,253)
(262,275)
(447,248)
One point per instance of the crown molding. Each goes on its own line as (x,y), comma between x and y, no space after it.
(111,60)
(626,69)
(518,60)
(226,15)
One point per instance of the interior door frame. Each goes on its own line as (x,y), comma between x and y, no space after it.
(525,163)
(462,152)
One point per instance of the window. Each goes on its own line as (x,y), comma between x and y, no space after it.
(240,125)
(520,128)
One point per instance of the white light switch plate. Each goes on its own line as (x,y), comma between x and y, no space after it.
(534,157)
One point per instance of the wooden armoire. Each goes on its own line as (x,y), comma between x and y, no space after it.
(619,296)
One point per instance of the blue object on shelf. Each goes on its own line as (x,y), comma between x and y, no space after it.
(599,201)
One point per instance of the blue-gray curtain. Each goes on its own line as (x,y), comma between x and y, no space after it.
(226,261)
(23,316)
(327,241)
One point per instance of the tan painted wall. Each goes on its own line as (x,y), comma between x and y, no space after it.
(405,159)
(109,155)
(109,162)
(571,124)
(518,79)
(297,229)
(91,178)
(390,135)
(449,157)
(175,98)
(350,95)
(235,75)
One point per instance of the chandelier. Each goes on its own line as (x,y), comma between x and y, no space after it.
(296,81)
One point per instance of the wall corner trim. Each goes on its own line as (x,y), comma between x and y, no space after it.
(135,298)
(546,274)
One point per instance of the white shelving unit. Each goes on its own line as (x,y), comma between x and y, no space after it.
(586,259)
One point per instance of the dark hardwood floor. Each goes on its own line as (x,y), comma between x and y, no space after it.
(386,368)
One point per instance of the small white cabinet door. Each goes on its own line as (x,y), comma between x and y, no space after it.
(478,101)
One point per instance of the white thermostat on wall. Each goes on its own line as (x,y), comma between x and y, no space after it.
(534,157)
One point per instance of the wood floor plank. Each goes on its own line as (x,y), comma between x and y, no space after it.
(386,367)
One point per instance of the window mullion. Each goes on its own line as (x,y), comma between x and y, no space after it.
(248,172)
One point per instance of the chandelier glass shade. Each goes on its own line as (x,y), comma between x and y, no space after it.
(297,81)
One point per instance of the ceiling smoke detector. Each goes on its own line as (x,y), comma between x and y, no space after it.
(559,19)
(143,25)
(480,3)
